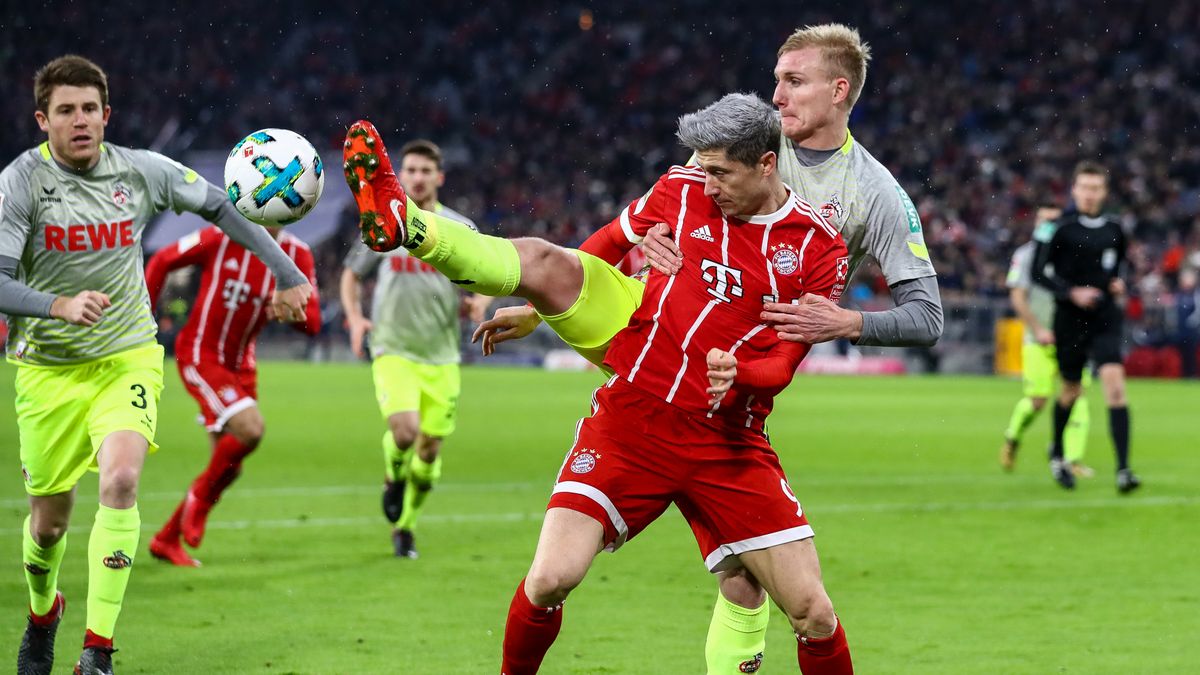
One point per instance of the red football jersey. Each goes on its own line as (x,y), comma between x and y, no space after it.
(730,268)
(235,292)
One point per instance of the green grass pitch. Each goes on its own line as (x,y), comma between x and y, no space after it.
(936,561)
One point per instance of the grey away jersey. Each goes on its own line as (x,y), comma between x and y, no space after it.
(75,232)
(415,309)
(1020,275)
(860,198)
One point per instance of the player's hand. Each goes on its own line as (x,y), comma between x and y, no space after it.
(476,306)
(1044,337)
(722,369)
(1085,297)
(1117,287)
(358,327)
(84,309)
(661,251)
(290,303)
(508,323)
(814,319)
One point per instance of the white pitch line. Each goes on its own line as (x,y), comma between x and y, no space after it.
(519,516)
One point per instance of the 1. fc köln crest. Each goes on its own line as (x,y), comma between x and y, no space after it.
(121,194)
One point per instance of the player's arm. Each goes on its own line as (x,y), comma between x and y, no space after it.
(895,240)
(192,249)
(360,262)
(179,188)
(1046,251)
(1019,281)
(16,298)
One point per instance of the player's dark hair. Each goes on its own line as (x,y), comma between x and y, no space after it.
(743,125)
(70,70)
(424,148)
(1090,168)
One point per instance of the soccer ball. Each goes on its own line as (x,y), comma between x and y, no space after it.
(274,177)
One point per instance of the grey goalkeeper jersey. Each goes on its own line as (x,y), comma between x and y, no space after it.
(73,232)
(860,198)
(1041,300)
(415,309)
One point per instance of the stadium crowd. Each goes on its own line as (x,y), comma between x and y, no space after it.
(552,115)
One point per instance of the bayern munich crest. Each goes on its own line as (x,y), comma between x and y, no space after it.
(584,461)
(784,259)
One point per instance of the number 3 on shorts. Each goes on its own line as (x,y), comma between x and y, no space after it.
(140,401)
(787,492)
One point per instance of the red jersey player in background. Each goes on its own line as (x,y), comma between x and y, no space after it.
(215,356)
(696,369)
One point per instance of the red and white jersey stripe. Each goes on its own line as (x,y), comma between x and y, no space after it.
(235,292)
(730,268)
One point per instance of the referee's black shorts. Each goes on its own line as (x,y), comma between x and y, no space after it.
(1080,334)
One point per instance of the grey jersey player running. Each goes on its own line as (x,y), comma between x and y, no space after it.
(415,343)
(820,73)
(89,373)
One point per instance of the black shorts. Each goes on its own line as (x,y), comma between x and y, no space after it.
(1080,335)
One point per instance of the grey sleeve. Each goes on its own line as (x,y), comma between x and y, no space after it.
(362,260)
(17,299)
(894,236)
(218,210)
(915,321)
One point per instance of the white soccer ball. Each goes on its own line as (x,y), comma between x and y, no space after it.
(274,177)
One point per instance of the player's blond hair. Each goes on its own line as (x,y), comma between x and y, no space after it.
(842,48)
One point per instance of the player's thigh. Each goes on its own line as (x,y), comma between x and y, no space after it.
(397,384)
(1039,369)
(129,387)
(616,471)
(737,499)
(791,575)
(440,387)
(567,545)
(221,393)
(52,407)
(606,302)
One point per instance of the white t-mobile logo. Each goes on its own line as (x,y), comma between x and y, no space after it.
(727,280)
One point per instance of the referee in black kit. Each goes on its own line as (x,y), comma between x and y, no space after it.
(1080,262)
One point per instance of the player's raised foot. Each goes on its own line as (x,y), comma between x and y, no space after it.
(1008,454)
(1127,482)
(1082,470)
(382,202)
(95,661)
(194,519)
(393,499)
(405,544)
(36,655)
(168,549)
(1061,471)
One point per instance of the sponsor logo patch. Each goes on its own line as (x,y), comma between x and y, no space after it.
(36,570)
(117,561)
(703,233)
(752,665)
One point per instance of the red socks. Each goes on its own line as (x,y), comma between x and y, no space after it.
(223,469)
(825,656)
(528,634)
(90,640)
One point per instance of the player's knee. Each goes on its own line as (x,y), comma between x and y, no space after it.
(47,531)
(742,590)
(247,427)
(1038,402)
(547,586)
(428,447)
(405,428)
(811,615)
(118,485)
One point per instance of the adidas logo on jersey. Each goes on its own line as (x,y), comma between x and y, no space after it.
(231,264)
(703,233)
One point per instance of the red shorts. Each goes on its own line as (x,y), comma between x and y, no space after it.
(637,454)
(221,393)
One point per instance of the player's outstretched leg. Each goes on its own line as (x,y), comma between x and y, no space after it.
(42,562)
(737,633)
(388,219)
(1024,412)
(167,545)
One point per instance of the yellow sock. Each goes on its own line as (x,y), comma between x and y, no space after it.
(395,460)
(1076,434)
(41,569)
(736,637)
(476,262)
(422,476)
(111,550)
